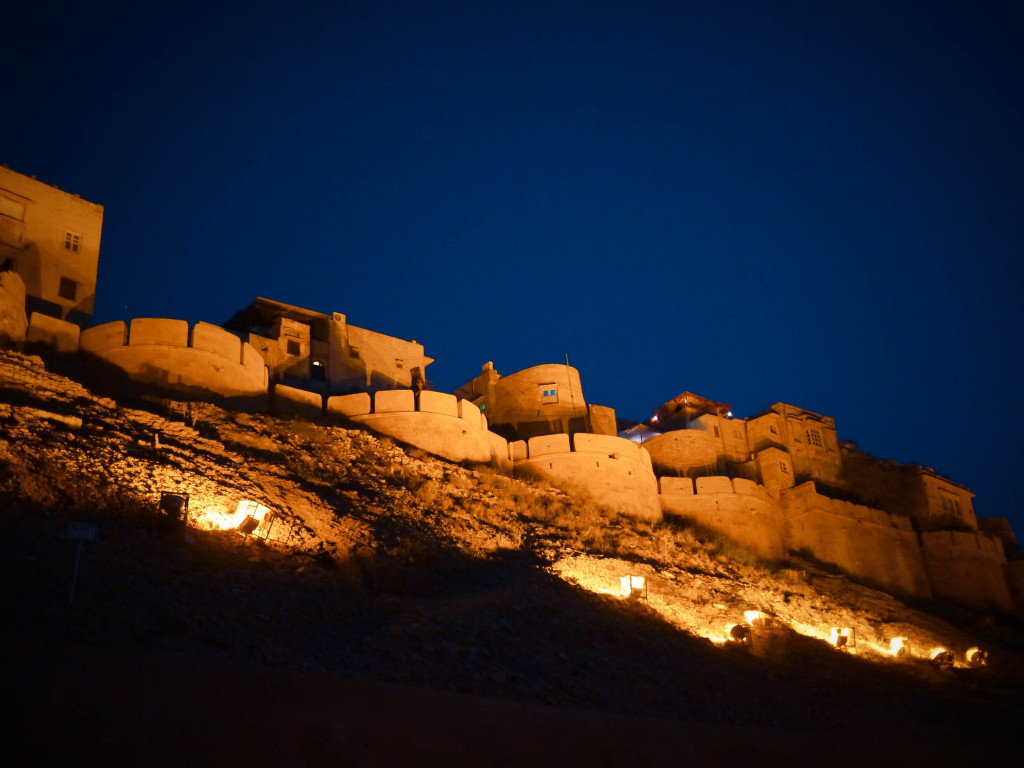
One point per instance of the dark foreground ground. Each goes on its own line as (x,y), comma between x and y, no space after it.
(95,706)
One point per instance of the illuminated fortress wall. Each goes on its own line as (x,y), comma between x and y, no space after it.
(611,470)
(738,509)
(541,400)
(162,353)
(872,545)
(436,422)
(968,568)
(683,452)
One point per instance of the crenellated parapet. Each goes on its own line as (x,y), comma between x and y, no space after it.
(434,421)
(739,509)
(165,353)
(612,470)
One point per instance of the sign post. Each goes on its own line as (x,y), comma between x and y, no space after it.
(80,532)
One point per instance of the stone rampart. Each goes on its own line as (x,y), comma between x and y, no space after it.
(738,509)
(59,335)
(298,401)
(683,451)
(967,568)
(612,470)
(438,423)
(871,545)
(162,353)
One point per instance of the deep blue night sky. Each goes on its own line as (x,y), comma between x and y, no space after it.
(758,202)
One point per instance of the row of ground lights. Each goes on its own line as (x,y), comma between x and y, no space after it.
(841,638)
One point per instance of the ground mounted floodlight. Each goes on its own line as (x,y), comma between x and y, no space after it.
(759,620)
(843,638)
(976,657)
(174,506)
(942,658)
(739,635)
(899,647)
(634,587)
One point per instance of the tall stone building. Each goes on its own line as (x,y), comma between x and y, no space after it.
(51,240)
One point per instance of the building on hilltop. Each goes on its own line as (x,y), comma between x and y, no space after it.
(541,400)
(51,239)
(310,350)
(780,481)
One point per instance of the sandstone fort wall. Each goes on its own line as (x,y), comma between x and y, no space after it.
(871,545)
(968,568)
(612,470)
(683,451)
(738,509)
(436,422)
(161,352)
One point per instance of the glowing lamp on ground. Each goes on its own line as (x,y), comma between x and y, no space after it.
(899,647)
(941,658)
(174,506)
(634,587)
(759,620)
(976,657)
(843,638)
(247,517)
(739,635)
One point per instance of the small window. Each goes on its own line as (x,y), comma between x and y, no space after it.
(68,289)
(72,242)
(294,347)
(399,363)
(549,393)
(814,438)
(784,467)
(716,432)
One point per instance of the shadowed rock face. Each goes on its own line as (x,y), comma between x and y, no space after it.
(13,321)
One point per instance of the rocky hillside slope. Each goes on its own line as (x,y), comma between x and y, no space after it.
(385,564)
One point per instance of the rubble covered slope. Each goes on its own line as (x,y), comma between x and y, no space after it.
(381,562)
